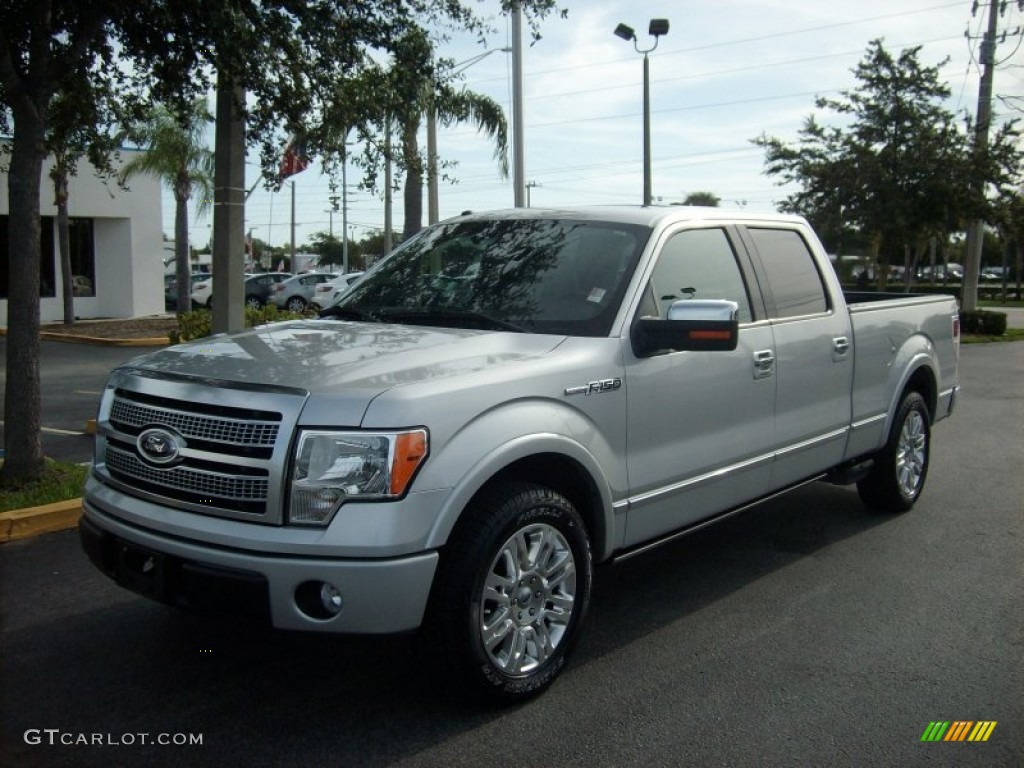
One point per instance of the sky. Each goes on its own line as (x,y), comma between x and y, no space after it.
(727,72)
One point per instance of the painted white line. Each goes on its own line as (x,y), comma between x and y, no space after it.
(55,431)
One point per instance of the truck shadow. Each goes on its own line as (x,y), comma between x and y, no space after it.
(262,697)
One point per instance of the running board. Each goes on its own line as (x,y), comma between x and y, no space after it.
(680,533)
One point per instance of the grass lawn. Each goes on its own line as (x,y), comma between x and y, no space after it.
(60,481)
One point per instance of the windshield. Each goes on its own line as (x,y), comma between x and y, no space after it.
(525,274)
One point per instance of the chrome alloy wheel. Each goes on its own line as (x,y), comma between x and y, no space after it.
(527,600)
(911,454)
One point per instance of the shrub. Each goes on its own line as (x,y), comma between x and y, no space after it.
(199,324)
(983,322)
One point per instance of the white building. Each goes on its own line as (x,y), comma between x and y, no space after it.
(116,246)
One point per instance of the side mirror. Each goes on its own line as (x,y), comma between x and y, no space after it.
(692,325)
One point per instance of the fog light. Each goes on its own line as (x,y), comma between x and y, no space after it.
(331,599)
(318,600)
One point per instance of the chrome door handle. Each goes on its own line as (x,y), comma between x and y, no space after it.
(764,363)
(840,346)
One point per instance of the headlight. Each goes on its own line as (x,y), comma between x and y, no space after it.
(330,467)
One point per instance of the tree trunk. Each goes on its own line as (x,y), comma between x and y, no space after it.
(413,192)
(23,459)
(182,263)
(60,190)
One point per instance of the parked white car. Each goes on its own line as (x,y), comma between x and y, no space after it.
(202,292)
(325,293)
(295,293)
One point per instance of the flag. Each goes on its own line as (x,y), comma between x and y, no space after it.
(294,159)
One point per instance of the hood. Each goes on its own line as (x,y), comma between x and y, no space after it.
(331,356)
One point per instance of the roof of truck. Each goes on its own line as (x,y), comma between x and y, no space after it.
(651,215)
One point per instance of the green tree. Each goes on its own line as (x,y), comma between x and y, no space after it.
(176,153)
(899,172)
(709,199)
(285,54)
(81,126)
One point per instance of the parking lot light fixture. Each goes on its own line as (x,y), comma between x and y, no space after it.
(656,29)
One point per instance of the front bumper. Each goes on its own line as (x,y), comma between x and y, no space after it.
(379,596)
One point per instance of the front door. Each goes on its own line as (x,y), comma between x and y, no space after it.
(701,424)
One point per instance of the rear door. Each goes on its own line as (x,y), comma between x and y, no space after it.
(813,352)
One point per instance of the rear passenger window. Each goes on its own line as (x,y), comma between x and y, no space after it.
(793,276)
(696,264)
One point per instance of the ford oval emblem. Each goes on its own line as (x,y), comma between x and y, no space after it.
(160,446)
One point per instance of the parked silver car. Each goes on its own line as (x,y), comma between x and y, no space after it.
(295,293)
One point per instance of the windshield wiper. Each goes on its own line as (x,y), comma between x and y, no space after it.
(455,318)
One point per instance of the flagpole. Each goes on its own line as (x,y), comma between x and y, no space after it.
(293,226)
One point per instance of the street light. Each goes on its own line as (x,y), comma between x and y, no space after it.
(657,28)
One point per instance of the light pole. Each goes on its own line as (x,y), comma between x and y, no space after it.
(657,28)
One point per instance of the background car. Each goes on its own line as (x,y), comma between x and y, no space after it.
(326,293)
(171,289)
(295,293)
(81,286)
(257,289)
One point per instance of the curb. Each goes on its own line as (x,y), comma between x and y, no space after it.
(25,523)
(99,341)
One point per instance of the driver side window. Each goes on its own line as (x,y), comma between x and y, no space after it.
(696,264)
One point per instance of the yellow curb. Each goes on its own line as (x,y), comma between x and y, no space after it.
(31,521)
(99,341)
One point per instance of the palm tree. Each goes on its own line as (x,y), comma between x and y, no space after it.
(177,155)
(415,92)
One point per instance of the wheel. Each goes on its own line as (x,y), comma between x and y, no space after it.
(897,478)
(295,304)
(511,592)
(253,302)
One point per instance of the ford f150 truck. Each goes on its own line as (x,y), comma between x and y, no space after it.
(503,402)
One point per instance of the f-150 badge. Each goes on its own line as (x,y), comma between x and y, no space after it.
(595,387)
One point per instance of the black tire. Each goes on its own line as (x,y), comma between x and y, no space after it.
(295,304)
(253,302)
(897,477)
(533,605)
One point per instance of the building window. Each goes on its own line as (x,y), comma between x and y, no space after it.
(82,251)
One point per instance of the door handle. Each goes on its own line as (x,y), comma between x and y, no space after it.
(764,363)
(840,346)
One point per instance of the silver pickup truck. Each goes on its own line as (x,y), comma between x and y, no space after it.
(505,401)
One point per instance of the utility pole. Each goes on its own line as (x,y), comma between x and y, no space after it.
(518,139)
(976,229)
(530,185)
(229,207)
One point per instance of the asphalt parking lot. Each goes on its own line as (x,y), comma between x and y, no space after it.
(806,632)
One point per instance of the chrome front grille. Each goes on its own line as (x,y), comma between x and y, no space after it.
(223,467)
(215,428)
(203,483)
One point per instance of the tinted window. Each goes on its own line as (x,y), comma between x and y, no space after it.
(541,275)
(793,276)
(696,264)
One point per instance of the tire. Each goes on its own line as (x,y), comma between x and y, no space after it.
(253,302)
(295,304)
(511,593)
(897,478)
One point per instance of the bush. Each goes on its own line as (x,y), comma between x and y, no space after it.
(983,322)
(199,324)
